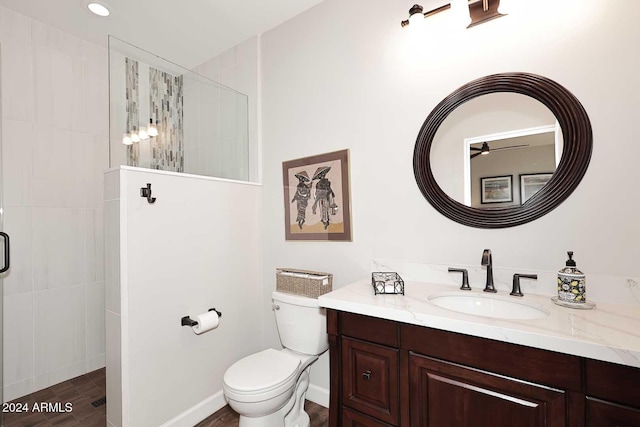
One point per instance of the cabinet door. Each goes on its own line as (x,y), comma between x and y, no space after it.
(444,394)
(605,414)
(370,379)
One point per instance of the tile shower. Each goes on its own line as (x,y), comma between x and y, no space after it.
(202,125)
(54,150)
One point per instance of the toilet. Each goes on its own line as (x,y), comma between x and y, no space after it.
(268,388)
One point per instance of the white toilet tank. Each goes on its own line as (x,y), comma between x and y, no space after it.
(302,324)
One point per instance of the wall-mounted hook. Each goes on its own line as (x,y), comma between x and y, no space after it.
(146,192)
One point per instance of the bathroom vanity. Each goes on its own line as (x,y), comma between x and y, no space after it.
(399,360)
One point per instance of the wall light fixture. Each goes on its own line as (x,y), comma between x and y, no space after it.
(136,135)
(482,11)
(152,130)
(417,14)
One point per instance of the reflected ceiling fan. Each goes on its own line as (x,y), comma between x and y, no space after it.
(486,150)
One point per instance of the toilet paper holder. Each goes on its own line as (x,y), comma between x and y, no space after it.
(188,321)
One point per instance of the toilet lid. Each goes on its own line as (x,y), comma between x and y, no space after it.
(262,370)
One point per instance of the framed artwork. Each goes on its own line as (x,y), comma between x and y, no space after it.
(531,183)
(316,197)
(496,189)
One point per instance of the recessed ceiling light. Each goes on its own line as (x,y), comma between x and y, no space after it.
(98,9)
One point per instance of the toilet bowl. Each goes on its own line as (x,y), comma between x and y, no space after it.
(268,388)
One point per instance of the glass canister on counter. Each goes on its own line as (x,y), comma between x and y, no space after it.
(571,283)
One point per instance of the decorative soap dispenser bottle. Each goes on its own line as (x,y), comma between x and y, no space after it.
(571,283)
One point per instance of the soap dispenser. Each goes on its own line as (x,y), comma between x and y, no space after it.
(571,283)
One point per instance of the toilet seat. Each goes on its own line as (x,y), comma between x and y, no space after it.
(261,376)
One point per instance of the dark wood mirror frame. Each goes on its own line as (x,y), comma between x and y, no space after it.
(576,153)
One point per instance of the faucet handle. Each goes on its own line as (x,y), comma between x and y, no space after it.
(486,257)
(515,290)
(465,278)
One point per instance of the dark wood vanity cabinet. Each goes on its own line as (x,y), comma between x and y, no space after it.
(385,373)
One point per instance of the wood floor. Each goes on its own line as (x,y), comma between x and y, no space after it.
(48,407)
(85,394)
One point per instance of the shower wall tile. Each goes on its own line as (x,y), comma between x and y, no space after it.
(58,74)
(228,59)
(96,362)
(192,122)
(166,103)
(19,389)
(96,161)
(95,312)
(94,246)
(112,185)
(210,69)
(18,340)
(228,116)
(60,331)
(17,66)
(17,81)
(210,119)
(95,109)
(55,183)
(96,62)
(17,149)
(59,375)
(58,247)
(18,224)
(14,28)
(238,69)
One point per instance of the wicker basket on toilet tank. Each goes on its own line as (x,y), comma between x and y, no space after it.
(307,283)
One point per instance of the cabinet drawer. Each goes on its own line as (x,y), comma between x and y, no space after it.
(370,379)
(613,382)
(354,419)
(372,329)
(605,414)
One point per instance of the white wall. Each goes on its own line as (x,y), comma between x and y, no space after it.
(346,75)
(55,148)
(197,247)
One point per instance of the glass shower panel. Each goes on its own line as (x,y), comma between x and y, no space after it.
(202,126)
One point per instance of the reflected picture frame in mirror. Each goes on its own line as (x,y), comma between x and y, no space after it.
(577,147)
(520,151)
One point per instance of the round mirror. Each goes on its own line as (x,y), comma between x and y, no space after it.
(503,150)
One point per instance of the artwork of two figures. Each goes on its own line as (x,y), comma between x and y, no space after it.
(324,198)
(317,197)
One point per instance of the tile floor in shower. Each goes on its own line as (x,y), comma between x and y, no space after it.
(86,394)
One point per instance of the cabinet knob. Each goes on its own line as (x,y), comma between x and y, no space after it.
(366,375)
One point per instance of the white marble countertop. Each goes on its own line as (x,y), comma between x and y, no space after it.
(609,332)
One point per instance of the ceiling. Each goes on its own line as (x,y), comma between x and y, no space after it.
(187,32)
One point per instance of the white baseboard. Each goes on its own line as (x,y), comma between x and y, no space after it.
(318,395)
(199,412)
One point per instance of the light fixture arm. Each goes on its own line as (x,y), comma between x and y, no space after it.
(417,9)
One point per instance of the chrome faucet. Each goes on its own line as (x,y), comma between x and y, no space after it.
(488,262)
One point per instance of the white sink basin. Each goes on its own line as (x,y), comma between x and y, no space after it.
(488,305)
